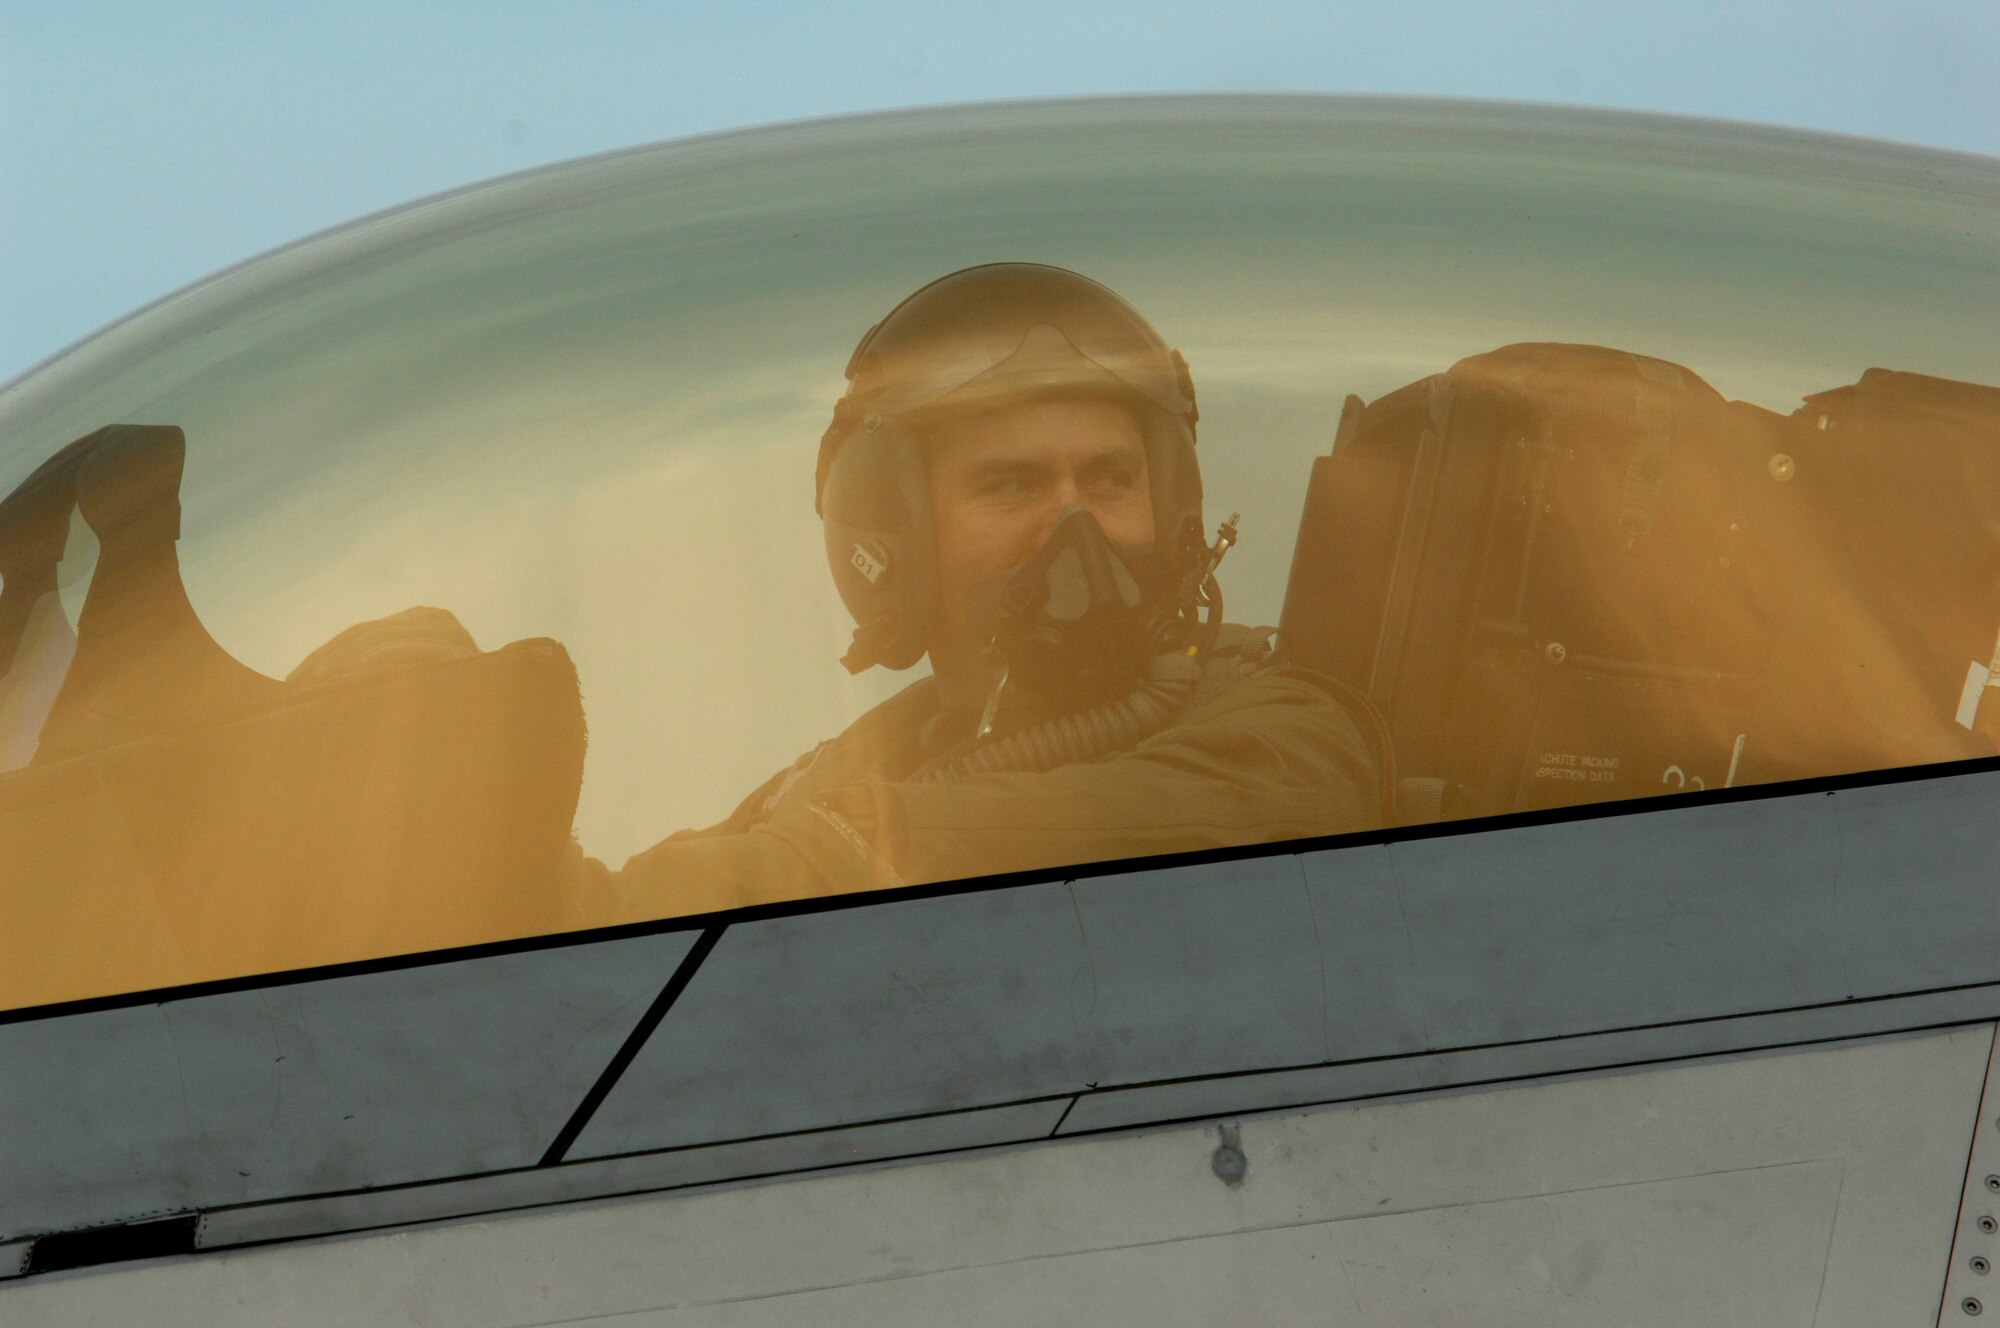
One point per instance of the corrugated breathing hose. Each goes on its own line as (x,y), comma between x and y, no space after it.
(1069,739)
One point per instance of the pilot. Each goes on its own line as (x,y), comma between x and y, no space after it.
(1009,486)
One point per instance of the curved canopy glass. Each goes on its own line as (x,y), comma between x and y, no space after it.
(1578,456)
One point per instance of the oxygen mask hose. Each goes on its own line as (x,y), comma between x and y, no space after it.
(1087,735)
(1076,586)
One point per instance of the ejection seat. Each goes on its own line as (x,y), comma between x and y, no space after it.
(1565,574)
(169,815)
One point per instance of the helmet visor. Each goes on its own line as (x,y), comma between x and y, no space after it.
(1012,329)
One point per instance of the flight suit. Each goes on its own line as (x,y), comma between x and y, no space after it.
(1261,754)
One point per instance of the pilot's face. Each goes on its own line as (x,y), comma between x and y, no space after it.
(1000,479)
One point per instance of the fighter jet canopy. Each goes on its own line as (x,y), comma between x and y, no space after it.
(1578,456)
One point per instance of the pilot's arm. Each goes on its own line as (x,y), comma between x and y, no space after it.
(1274,757)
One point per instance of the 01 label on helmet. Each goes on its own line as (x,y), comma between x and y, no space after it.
(871,565)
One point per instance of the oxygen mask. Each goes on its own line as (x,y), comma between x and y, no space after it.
(1069,620)
(1084,620)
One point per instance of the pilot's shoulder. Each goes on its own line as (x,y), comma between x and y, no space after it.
(1246,668)
(1250,679)
(1273,684)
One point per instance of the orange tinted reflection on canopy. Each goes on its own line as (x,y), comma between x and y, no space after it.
(1629,586)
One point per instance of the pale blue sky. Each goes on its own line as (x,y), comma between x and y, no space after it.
(143,146)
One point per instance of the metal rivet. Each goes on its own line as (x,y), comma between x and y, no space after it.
(1556,652)
(1989,1225)
(1980,1266)
(1783,467)
(1972,1306)
(1993,1184)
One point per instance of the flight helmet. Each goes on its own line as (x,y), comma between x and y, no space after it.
(981,337)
